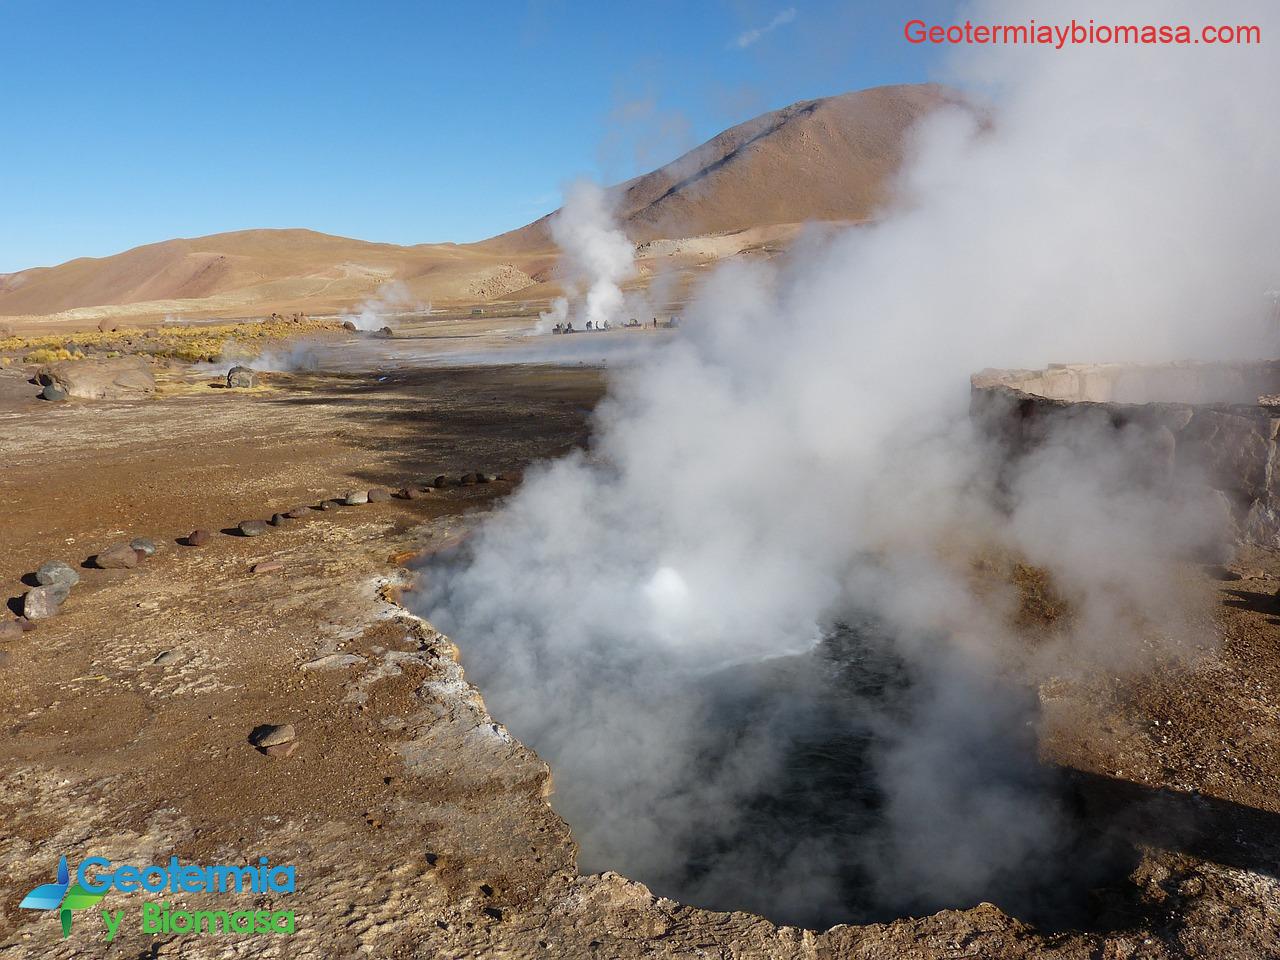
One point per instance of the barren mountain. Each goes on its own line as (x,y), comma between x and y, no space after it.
(827,159)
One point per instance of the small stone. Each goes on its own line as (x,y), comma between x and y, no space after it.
(198,538)
(10,630)
(148,605)
(468,479)
(280,750)
(267,566)
(53,392)
(412,493)
(41,603)
(440,482)
(55,571)
(119,556)
(26,625)
(241,376)
(253,528)
(278,519)
(166,658)
(379,495)
(348,325)
(481,477)
(271,734)
(328,505)
(144,546)
(297,513)
(385,332)
(355,498)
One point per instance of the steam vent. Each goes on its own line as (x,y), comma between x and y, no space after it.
(1208,424)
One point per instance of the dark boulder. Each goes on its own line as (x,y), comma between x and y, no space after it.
(239,376)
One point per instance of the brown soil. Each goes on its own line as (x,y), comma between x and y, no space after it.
(418,826)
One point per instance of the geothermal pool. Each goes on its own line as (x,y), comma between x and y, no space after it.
(812,789)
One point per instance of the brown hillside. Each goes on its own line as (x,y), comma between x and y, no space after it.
(829,159)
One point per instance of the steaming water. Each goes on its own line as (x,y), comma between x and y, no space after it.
(770,794)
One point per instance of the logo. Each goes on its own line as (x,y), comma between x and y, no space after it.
(97,876)
(61,896)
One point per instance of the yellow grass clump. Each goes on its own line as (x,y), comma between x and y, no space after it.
(189,343)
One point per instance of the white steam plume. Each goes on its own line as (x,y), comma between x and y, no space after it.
(596,256)
(801,458)
(393,299)
(548,319)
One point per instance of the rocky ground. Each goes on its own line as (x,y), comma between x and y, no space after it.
(418,826)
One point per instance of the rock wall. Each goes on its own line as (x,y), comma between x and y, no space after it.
(1183,383)
(1203,423)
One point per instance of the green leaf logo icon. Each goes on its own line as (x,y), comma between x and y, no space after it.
(78,898)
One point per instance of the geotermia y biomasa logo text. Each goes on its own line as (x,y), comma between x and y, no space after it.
(97,877)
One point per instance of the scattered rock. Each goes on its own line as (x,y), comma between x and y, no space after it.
(468,479)
(379,495)
(26,625)
(355,498)
(144,546)
(53,392)
(198,538)
(41,603)
(118,378)
(278,519)
(335,661)
(281,749)
(166,658)
(10,630)
(272,734)
(385,332)
(148,605)
(328,505)
(119,556)
(239,376)
(297,513)
(440,482)
(348,325)
(56,572)
(266,566)
(412,493)
(481,477)
(253,528)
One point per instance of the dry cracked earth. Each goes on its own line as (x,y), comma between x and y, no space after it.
(418,826)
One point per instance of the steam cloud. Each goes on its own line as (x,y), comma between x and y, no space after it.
(596,256)
(393,299)
(764,561)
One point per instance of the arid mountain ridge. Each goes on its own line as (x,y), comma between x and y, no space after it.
(746,189)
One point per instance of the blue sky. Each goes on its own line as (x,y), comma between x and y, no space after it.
(130,122)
